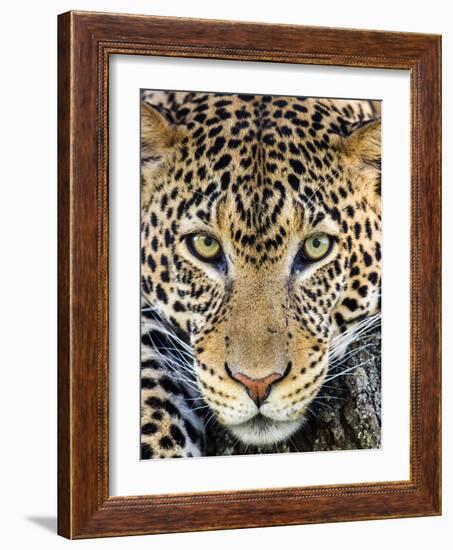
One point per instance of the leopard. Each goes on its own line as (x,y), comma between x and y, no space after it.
(260,259)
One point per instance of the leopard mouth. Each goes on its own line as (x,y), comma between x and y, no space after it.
(264,431)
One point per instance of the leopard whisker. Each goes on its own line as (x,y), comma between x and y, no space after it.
(350,369)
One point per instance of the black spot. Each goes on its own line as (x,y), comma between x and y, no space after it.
(223,162)
(154,220)
(150,364)
(149,428)
(177,435)
(177,306)
(246,162)
(202,173)
(350,303)
(164,201)
(166,443)
(368,228)
(234,143)
(268,139)
(297,166)
(188,177)
(151,263)
(285,131)
(300,108)
(191,431)
(378,252)
(349,210)
(145,451)
(154,402)
(225,180)
(214,131)
(363,291)
(293,181)
(180,209)
(334,197)
(169,386)
(367,259)
(169,239)
(217,147)
(339,319)
(343,192)
(210,189)
(197,133)
(290,114)
(170,408)
(148,383)
(161,294)
(242,113)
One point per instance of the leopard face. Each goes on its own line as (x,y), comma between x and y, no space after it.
(261,234)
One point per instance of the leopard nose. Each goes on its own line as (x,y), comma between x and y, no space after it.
(258,389)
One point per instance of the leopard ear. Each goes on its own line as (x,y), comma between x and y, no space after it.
(159,138)
(362,144)
(360,150)
(158,135)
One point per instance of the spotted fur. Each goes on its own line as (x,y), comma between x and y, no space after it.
(260,174)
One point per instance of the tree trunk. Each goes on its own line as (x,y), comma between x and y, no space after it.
(345,415)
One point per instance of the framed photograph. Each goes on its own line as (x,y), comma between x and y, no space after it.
(249,275)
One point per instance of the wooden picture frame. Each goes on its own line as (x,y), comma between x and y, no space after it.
(85,42)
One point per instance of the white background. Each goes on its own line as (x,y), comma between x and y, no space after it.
(28,286)
(129,476)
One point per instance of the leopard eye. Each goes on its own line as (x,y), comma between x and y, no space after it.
(316,247)
(204,247)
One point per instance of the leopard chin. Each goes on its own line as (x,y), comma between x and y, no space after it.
(263,431)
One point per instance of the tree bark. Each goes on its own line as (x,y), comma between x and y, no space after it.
(345,415)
